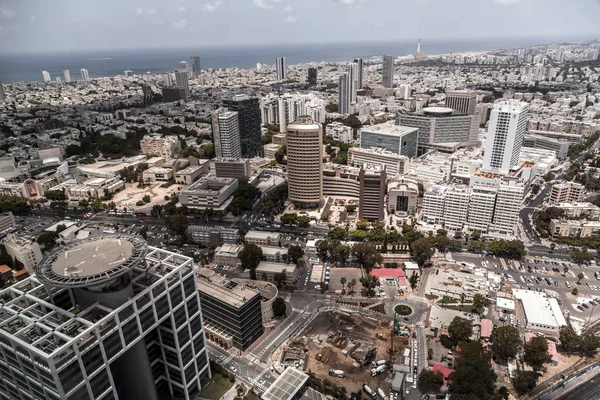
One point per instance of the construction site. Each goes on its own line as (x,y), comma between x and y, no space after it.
(347,348)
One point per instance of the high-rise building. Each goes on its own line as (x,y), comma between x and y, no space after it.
(84,74)
(183,65)
(506,129)
(286,108)
(169,79)
(46,76)
(102,314)
(128,72)
(567,192)
(359,63)
(173,93)
(281,66)
(403,195)
(248,111)
(166,147)
(67,75)
(353,81)
(181,80)
(420,55)
(58,80)
(456,207)
(508,205)
(2,93)
(387,78)
(397,139)
(305,162)
(462,101)
(344,94)
(195,65)
(405,91)
(226,133)
(312,76)
(372,192)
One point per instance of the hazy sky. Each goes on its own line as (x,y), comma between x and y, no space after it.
(33,25)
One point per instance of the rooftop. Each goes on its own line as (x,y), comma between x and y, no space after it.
(286,386)
(274,267)
(539,309)
(261,235)
(389,128)
(219,287)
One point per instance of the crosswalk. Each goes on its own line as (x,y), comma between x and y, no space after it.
(254,360)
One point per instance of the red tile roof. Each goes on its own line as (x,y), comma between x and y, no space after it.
(486,328)
(443,369)
(4,269)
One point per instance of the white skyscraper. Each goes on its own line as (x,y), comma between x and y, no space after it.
(344,94)
(58,80)
(359,62)
(67,75)
(226,133)
(387,79)
(508,121)
(195,65)
(183,65)
(181,80)
(84,74)
(46,76)
(353,81)
(169,79)
(281,65)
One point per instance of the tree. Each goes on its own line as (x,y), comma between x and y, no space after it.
(295,253)
(59,207)
(581,257)
(351,285)
(303,221)
(413,280)
(442,232)
(430,381)
(376,235)
(506,342)
(507,248)
(55,195)
(279,278)
(362,225)
(565,270)
(178,224)
(279,307)
(47,239)
(536,352)
(366,255)
(575,292)
(473,376)
(343,282)
(341,254)
(580,277)
(480,301)
(60,228)
(524,381)
(552,247)
(144,232)
(590,343)
(146,199)
(441,243)
(460,329)
(585,344)
(323,249)
(421,251)
(250,257)
(358,235)
(462,300)
(337,233)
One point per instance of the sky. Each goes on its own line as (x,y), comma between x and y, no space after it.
(79,25)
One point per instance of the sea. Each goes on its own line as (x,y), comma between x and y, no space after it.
(28,67)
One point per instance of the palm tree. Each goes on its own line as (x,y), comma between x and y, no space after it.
(565,270)
(580,276)
(552,247)
(343,282)
(352,284)
(462,300)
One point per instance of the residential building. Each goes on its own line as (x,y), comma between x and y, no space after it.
(481,208)
(181,81)
(2,93)
(577,210)
(128,73)
(305,162)
(145,326)
(238,168)
(456,208)
(248,114)
(387,78)
(189,175)
(372,192)
(394,163)
(440,129)
(403,195)
(281,67)
(312,76)
(227,254)
(183,65)
(195,60)
(574,228)
(360,73)
(231,311)
(405,91)
(226,133)
(462,101)
(7,222)
(165,147)
(508,205)
(353,80)
(274,254)
(267,271)
(566,192)
(283,109)
(270,150)
(262,238)
(344,94)
(338,131)
(396,139)
(24,250)
(560,146)
(46,76)
(209,192)
(506,130)
(433,205)
(85,76)
(212,234)
(67,75)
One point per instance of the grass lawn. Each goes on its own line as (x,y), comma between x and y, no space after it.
(216,388)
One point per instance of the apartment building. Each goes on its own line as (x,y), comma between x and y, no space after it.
(567,192)
(574,228)
(24,250)
(262,238)
(166,147)
(267,271)
(7,222)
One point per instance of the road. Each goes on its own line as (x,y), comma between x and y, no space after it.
(586,386)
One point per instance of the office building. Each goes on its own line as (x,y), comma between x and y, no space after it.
(84,74)
(387,75)
(173,93)
(58,80)
(248,113)
(23,250)
(67,75)
(394,163)
(165,147)
(209,192)
(481,208)
(238,168)
(577,210)
(2,93)
(305,162)
(341,180)
(195,60)
(231,311)
(372,192)
(541,312)
(138,320)
(403,195)
(396,139)
(7,222)
(217,235)
(267,271)
(262,238)
(405,91)
(456,207)
(281,67)
(462,101)
(312,76)
(567,192)
(183,66)
(128,73)
(360,72)
(559,146)
(344,94)
(189,175)
(46,76)
(440,130)
(353,82)
(505,136)
(181,81)
(226,133)
(508,205)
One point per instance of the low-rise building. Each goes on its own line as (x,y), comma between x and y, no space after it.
(238,168)
(7,222)
(84,189)
(574,228)
(338,131)
(341,180)
(270,150)
(189,175)
(394,163)
(567,192)
(209,192)
(542,313)
(274,254)
(157,174)
(267,271)
(560,146)
(26,251)
(262,238)
(166,147)
(576,210)
(205,234)
(227,254)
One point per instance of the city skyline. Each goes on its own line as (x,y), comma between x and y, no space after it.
(182,23)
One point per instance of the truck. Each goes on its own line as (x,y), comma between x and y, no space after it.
(338,373)
(378,370)
(369,391)
(381,394)
(380,336)
(376,364)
